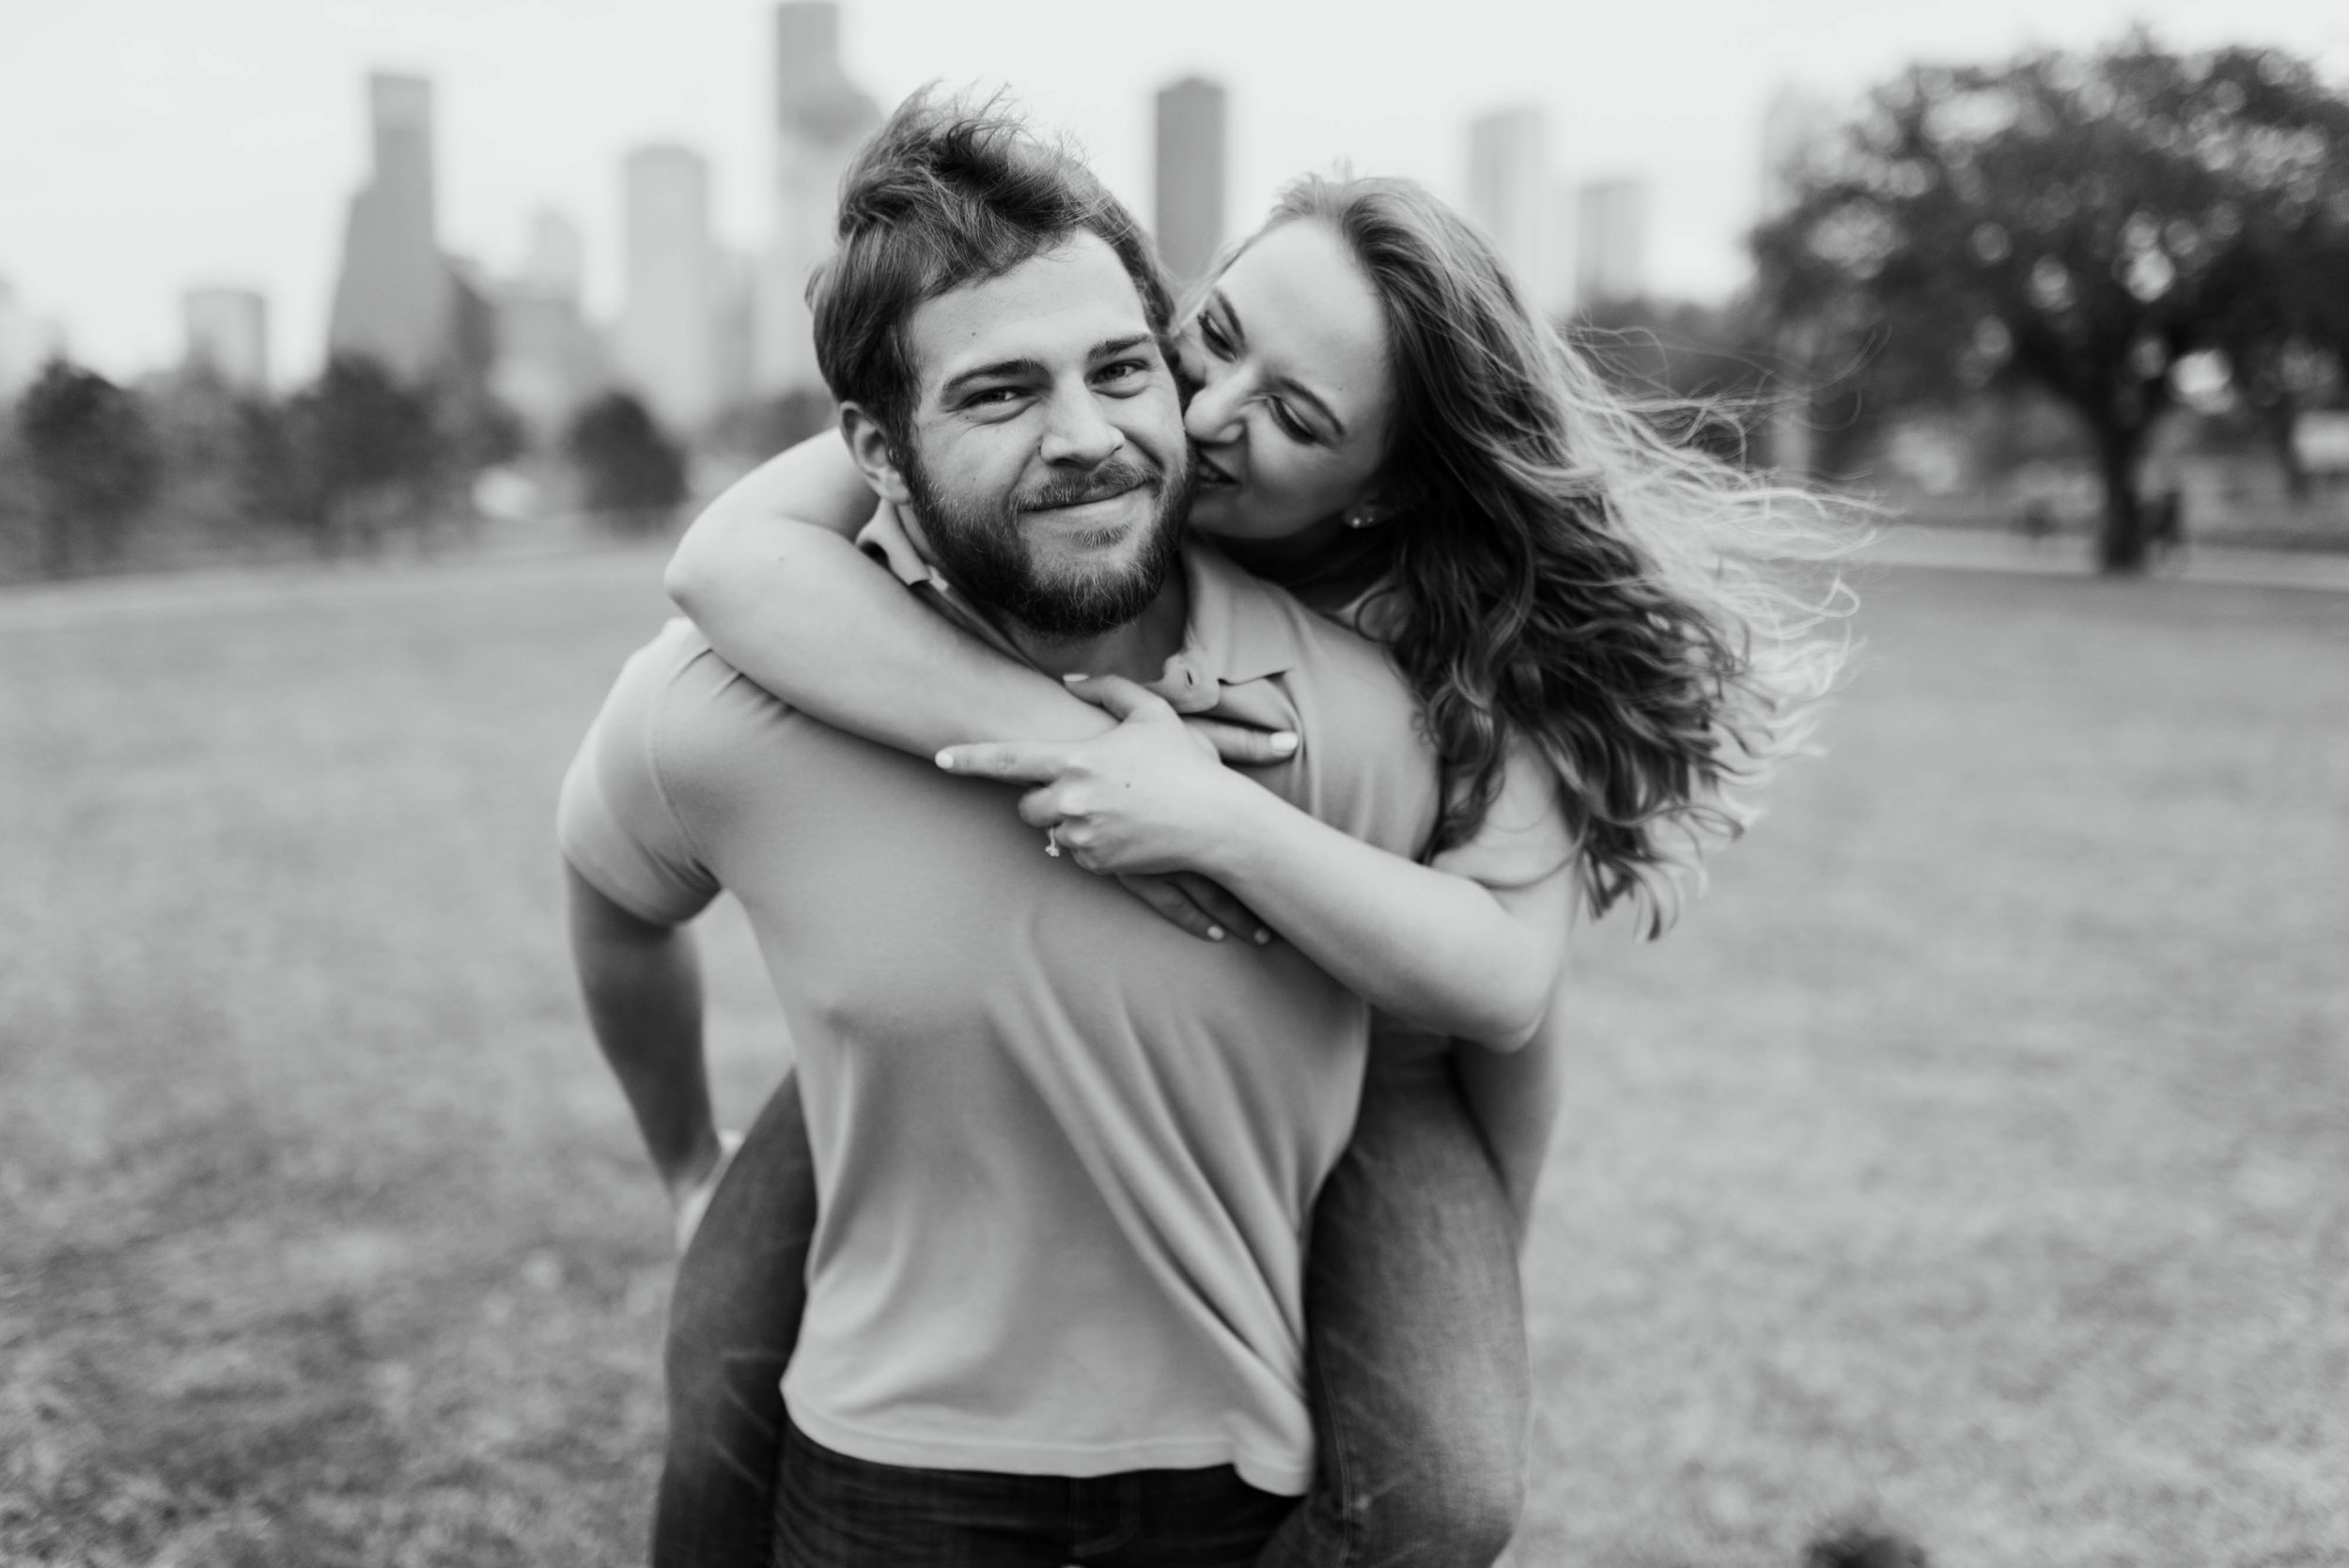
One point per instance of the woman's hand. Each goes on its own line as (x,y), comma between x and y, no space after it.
(1150,799)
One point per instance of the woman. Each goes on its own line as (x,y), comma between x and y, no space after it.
(1604,652)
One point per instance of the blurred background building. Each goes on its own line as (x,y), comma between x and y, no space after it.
(548,360)
(1509,192)
(668,313)
(227,336)
(391,301)
(820,117)
(1189,159)
(1610,242)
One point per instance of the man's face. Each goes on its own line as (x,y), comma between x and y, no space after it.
(1047,464)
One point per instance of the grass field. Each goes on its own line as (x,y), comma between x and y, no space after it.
(1976,1160)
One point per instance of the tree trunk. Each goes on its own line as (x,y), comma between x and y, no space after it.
(2121,544)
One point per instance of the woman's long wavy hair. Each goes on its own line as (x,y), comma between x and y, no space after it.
(1654,620)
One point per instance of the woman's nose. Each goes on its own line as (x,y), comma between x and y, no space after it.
(1214,414)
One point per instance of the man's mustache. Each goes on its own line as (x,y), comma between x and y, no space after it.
(1114,477)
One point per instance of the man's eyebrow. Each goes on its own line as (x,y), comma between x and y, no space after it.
(1111,347)
(1239,334)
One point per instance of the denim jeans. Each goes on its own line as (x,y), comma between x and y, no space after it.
(832,1511)
(1415,1346)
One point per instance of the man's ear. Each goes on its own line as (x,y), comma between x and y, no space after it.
(868,444)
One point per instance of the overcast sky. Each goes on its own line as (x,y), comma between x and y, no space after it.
(147,144)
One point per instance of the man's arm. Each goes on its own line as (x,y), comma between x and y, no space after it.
(643,984)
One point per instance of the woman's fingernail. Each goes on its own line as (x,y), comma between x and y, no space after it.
(1075,679)
(1215,932)
(946,760)
(1284,743)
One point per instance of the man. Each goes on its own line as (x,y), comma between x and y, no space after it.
(1063,1151)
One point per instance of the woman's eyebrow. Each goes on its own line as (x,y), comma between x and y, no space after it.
(1239,334)
(1231,329)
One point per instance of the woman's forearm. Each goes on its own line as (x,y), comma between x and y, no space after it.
(806,614)
(1433,949)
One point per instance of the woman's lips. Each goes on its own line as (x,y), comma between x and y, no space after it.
(1210,474)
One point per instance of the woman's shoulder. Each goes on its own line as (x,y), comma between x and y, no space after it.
(1525,836)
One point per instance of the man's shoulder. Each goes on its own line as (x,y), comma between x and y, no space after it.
(1367,767)
(690,706)
(1267,630)
(1330,668)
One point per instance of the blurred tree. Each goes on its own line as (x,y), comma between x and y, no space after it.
(634,474)
(1704,373)
(94,463)
(758,430)
(369,451)
(2080,224)
(2284,336)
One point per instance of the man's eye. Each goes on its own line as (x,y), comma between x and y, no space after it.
(994,394)
(1123,371)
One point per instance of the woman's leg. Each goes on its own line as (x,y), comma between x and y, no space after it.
(1415,1341)
(733,1320)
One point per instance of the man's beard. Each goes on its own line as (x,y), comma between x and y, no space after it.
(985,552)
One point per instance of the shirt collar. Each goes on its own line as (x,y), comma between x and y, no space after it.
(1239,629)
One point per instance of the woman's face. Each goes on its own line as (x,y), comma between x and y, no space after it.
(1289,354)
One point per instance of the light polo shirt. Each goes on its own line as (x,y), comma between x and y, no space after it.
(1065,1152)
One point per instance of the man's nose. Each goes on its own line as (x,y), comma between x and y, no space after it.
(1076,432)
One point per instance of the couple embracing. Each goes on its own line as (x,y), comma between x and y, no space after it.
(1170,1078)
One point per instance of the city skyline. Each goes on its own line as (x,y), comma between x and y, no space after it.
(144,150)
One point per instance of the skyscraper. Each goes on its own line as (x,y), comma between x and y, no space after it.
(820,118)
(549,361)
(227,334)
(1610,241)
(669,283)
(556,259)
(1190,224)
(392,297)
(734,328)
(1509,189)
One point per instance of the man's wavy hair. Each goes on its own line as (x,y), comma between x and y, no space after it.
(948,193)
(1560,571)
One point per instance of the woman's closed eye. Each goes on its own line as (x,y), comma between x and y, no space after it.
(1291,427)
